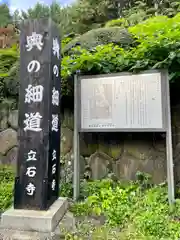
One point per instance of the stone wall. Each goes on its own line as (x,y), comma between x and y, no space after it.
(175,119)
(8,136)
(101,154)
(122,154)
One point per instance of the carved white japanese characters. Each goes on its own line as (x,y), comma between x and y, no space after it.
(34,93)
(31,171)
(33,66)
(54,155)
(54,169)
(30,189)
(55,97)
(56,48)
(35,40)
(55,122)
(32,122)
(53,184)
(31,156)
(56,70)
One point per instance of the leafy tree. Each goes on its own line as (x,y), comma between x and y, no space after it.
(38,11)
(81,16)
(156,7)
(142,10)
(5,17)
(89,14)
(167,7)
(16,18)
(61,16)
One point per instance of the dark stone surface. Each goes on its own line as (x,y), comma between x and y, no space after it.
(45,141)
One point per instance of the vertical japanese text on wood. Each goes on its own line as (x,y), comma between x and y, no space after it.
(36,184)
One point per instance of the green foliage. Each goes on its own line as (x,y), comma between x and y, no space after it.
(6,186)
(120,22)
(6,195)
(102,59)
(66,40)
(38,11)
(80,17)
(138,213)
(168,8)
(146,210)
(66,189)
(89,188)
(151,44)
(7,58)
(154,218)
(131,17)
(142,10)
(5,17)
(157,47)
(9,81)
(89,231)
(61,16)
(157,29)
(6,174)
(158,39)
(91,14)
(101,36)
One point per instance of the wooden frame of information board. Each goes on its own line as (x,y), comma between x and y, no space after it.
(161,92)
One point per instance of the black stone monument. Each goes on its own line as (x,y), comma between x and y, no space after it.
(37,178)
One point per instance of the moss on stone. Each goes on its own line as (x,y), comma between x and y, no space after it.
(88,149)
(115,151)
(68,120)
(120,22)
(101,36)
(103,148)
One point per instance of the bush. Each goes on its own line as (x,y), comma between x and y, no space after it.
(133,17)
(157,48)
(151,44)
(120,22)
(132,210)
(157,31)
(138,212)
(6,195)
(8,82)
(7,58)
(101,36)
(89,188)
(7,174)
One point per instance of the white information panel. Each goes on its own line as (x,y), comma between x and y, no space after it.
(122,102)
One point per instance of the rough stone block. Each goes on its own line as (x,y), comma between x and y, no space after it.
(39,221)
(8,139)
(9,234)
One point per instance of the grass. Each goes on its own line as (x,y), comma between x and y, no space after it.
(131,210)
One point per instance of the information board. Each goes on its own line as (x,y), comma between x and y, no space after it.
(123,102)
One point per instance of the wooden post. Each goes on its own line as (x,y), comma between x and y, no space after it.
(37,179)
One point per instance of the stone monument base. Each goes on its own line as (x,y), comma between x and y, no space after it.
(35,221)
(7,234)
